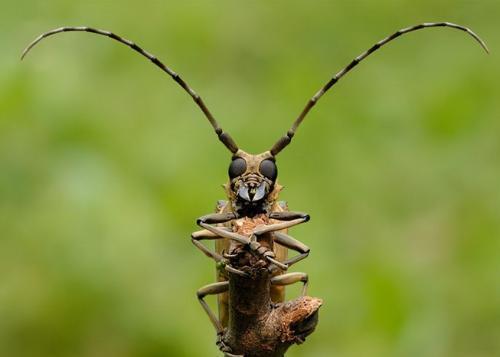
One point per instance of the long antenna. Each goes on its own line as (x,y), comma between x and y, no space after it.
(223,136)
(285,140)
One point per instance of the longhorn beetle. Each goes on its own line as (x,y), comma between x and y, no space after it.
(252,193)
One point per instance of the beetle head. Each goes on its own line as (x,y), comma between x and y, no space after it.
(251,178)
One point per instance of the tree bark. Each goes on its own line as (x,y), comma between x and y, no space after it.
(258,327)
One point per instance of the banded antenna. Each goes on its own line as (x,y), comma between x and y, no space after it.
(223,136)
(285,140)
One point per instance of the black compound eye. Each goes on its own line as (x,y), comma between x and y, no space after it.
(268,169)
(237,168)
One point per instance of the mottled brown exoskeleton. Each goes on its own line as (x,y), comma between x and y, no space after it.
(251,219)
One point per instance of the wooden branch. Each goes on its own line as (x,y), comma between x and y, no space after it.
(258,327)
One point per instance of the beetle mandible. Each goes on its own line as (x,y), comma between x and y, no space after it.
(252,193)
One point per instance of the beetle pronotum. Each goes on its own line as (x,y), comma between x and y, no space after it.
(252,194)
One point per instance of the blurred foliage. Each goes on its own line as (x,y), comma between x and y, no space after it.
(105,164)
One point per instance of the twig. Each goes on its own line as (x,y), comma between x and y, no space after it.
(259,327)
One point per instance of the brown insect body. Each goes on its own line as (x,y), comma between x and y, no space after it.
(244,226)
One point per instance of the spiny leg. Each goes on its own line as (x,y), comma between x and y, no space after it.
(291,278)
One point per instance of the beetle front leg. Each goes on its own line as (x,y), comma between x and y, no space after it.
(205,234)
(215,232)
(289,219)
(214,218)
(289,215)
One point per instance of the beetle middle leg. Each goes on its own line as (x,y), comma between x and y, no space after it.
(291,278)
(292,243)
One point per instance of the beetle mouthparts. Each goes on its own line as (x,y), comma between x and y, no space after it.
(252,194)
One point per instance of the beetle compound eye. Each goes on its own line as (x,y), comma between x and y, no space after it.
(237,168)
(268,169)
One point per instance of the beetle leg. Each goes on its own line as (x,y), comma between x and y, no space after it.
(212,289)
(204,234)
(216,232)
(291,278)
(292,243)
(265,253)
(288,215)
(277,226)
(289,219)
(214,218)
(230,269)
(207,234)
(221,232)
(280,265)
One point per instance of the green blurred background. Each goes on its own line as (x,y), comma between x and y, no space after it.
(105,163)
